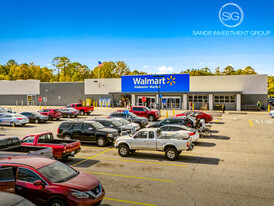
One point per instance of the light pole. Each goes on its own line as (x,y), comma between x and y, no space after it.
(159,102)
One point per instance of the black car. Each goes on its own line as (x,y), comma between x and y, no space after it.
(35,117)
(91,131)
(142,121)
(115,124)
(173,120)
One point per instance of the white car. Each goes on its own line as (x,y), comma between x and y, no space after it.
(13,119)
(181,130)
(271,113)
(126,122)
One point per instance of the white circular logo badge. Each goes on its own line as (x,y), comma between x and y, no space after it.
(231,15)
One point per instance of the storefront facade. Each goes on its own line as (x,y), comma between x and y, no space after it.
(169,91)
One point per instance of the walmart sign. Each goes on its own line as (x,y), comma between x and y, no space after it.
(151,83)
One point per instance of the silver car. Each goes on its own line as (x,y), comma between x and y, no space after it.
(13,119)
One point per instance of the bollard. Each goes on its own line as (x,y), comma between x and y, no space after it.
(173,112)
(106,104)
(22,102)
(268,108)
(166,114)
(84,103)
(16,103)
(193,106)
(95,104)
(101,104)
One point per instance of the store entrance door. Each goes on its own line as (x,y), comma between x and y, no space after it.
(171,103)
(147,102)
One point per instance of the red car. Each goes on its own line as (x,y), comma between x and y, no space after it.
(49,182)
(83,110)
(198,114)
(61,149)
(51,113)
(142,111)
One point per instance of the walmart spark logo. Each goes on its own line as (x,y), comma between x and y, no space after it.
(171,80)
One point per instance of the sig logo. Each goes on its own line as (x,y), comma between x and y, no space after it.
(231,15)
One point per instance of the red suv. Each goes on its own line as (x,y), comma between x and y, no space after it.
(51,113)
(49,182)
(142,111)
(198,114)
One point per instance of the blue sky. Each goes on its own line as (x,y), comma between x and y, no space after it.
(149,35)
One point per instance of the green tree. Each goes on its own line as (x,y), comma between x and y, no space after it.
(61,63)
(270,82)
(229,70)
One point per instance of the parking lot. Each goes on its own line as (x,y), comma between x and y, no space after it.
(232,166)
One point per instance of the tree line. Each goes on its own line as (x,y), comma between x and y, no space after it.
(68,71)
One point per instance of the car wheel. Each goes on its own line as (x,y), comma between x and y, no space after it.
(50,118)
(36,121)
(171,154)
(101,141)
(82,113)
(58,202)
(151,118)
(133,150)
(57,119)
(68,116)
(67,136)
(88,113)
(123,150)
(23,124)
(12,124)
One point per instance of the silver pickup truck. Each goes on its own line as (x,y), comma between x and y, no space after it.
(152,139)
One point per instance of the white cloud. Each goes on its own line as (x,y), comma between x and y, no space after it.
(165,70)
(146,66)
(48,65)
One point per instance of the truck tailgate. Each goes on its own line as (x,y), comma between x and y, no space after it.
(70,147)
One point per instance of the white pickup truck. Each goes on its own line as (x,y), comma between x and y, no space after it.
(152,139)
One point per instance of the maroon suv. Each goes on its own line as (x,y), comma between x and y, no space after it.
(51,113)
(49,182)
(142,111)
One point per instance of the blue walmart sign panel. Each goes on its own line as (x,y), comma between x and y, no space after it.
(149,83)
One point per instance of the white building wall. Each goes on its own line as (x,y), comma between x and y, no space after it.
(248,84)
(20,87)
(104,86)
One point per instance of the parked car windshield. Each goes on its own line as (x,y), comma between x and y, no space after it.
(132,115)
(97,125)
(116,123)
(124,121)
(58,172)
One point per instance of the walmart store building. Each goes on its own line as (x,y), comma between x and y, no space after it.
(176,90)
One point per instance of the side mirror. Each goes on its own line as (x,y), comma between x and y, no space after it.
(38,183)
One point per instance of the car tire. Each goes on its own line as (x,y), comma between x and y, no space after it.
(101,141)
(57,202)
(50,118)
(151,118)
(23,124)
(132,150)
(57,119)
(36,121)
(171,154)
(12,124)
(88,113)
(67,136)
(68,116)
(82,113)
(123,150)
